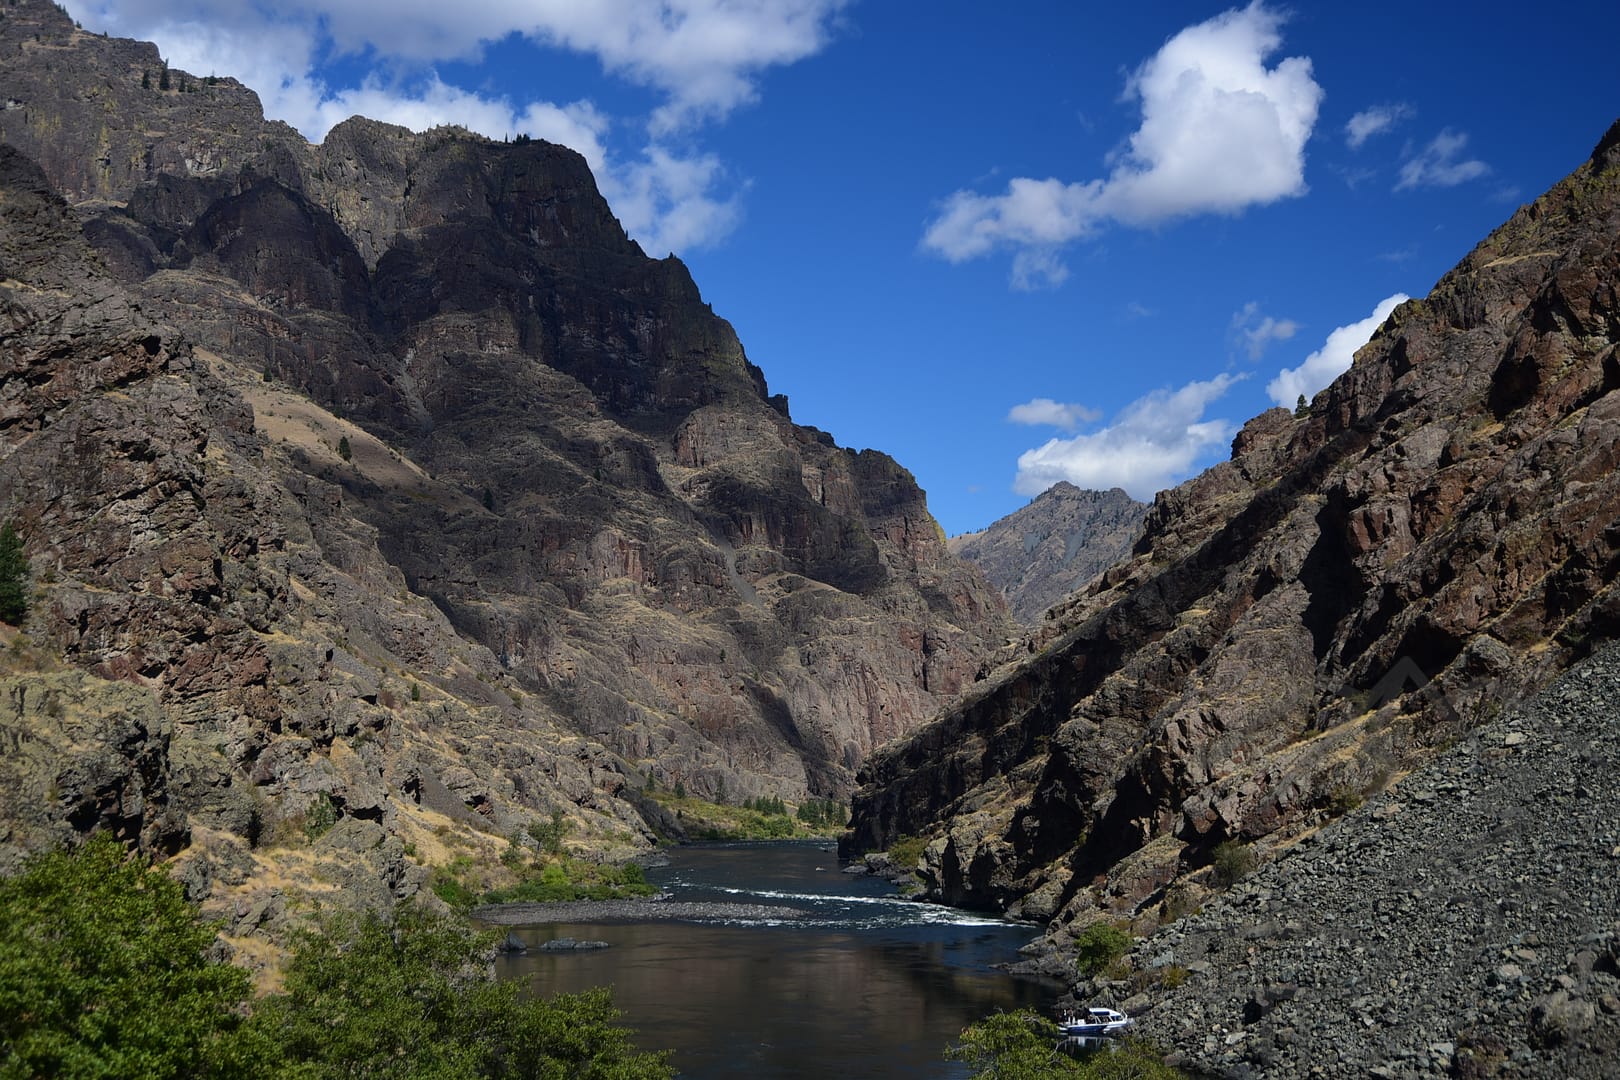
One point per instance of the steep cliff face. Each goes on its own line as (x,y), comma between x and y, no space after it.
(217,650)
(1043,552)
(429,489)
(1298,625)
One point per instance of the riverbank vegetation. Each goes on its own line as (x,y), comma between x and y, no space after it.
(763,818)
(106,970)
(1024,1046)
(536,868)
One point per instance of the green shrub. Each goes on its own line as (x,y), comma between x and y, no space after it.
(366,997)
(1023,1046)
(549,835)
(103,973)
(1232,861)
(907,851)
(447,885)
(1013,1046)
(1342,800)
(320,817)
(13,576)
(344,450)
(1098,946)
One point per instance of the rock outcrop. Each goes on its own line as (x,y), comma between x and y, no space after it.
(1354,588)
(1466,923)
(1065,537)
(410,492)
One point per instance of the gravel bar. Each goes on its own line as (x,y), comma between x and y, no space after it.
(637,910)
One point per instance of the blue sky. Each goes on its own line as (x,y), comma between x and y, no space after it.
(1055,241)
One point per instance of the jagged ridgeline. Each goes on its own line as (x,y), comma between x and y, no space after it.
(1434,537)
(383,487)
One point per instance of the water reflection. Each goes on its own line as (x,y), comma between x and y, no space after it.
(864,986)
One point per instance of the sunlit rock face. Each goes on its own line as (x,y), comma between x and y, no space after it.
(401,481)
(1435,536)
(1063,539)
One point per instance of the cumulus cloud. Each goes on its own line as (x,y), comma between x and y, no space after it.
(1332,359)
(1153,443)
(1441,164)
(1044,412)
(704,57)
(1220,132)
(1374,121)
(1257,331)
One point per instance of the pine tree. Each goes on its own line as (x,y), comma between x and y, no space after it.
(13,576)
(344,450)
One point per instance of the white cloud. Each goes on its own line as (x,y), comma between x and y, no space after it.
(1046,412)
(1153,443)
(1258,331)
(703,56)
(1374,121)
(1332,359)
(1438,164)
(1220,132)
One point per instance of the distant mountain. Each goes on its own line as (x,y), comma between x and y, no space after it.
(387,482)
(1436,536)
(1065,537)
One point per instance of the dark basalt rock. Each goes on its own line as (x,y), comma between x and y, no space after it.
(1355,587)
(430,492)
(568,944)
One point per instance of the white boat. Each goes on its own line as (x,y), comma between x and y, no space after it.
(1096,1024)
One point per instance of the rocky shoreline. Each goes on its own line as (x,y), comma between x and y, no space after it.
(633,910)
(1464,923)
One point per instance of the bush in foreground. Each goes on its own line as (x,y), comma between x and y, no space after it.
(1023,1046)
(413,998)
(104,972)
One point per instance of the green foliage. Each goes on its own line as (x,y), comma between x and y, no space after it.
(1232,861)
(320,818)
(906,852)
(1343,799)
(345,451)
(1302,408)
(447,885)
(1023,1046)
(574,879)
(416,692)
(1098,946)
(103,973)
(163,78)
(13,576)
(1013,1046)
(413,999)
(549,835)
(489,500)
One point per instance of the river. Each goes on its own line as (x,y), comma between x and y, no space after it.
(835,977)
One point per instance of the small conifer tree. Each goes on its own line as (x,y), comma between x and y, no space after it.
(344,451)
(13,576)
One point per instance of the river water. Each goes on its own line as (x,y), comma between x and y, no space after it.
(859,984)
